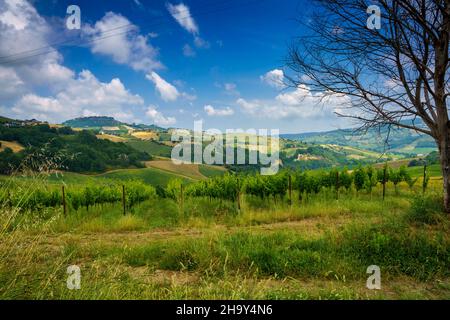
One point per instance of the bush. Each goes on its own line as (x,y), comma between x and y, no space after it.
(397,249)
(426,209)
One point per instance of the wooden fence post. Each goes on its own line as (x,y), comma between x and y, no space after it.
(290,190)
(424,183)
(337,185)
(64,201)
(239,200)
(181,198)
(123,200)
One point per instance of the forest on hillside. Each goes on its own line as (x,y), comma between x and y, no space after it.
(77,151)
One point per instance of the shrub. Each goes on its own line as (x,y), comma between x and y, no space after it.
(426,209)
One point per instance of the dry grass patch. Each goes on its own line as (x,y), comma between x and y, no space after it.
(188,170)
(111,138)
(14,146)
(145,135)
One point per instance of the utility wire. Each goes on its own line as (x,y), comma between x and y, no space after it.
(71,40)
(83,42)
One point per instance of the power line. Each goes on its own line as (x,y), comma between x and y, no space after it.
(71,40)
(82,42)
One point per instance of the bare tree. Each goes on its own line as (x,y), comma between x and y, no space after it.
(392,76)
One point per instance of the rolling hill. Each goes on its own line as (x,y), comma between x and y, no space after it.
(157,173)
(98,122)
(402,141)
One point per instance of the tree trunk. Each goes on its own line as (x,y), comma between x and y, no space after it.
(444,149)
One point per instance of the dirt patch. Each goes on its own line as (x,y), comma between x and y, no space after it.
(13,145)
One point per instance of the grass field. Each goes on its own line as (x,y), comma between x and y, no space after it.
(111,137)
(158,173)
(151,147)
(432,170)
(193,171)
(318,248)
(153,176)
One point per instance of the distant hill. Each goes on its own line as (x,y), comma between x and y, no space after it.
(401,141)
(87,122)
(103,121)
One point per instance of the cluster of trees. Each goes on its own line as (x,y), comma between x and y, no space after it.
(75,151)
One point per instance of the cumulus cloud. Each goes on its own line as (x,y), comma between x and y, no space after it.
(167,91)
(127,46)
(158,118)
(83,95)
(182,15)
(274,78)
(211,111)
(22,28)
(10,83)
(300,103)
(43,88)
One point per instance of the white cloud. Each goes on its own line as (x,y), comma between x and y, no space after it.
(67,94)
(188,51)
(230,86)
(274,78)
(17,14)
(22,28)
(189,97)
(126,46)
(10,83)
(158,118)
(211,111)
(167,91)
(201,43)
(83,95)
(182,15)
(231,89)
(297,104)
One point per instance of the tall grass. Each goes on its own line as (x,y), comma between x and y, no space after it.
(316,248)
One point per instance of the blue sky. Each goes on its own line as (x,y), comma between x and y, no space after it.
(174,62)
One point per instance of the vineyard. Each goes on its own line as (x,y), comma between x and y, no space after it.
(304,183)
(227,187)
(14,194)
